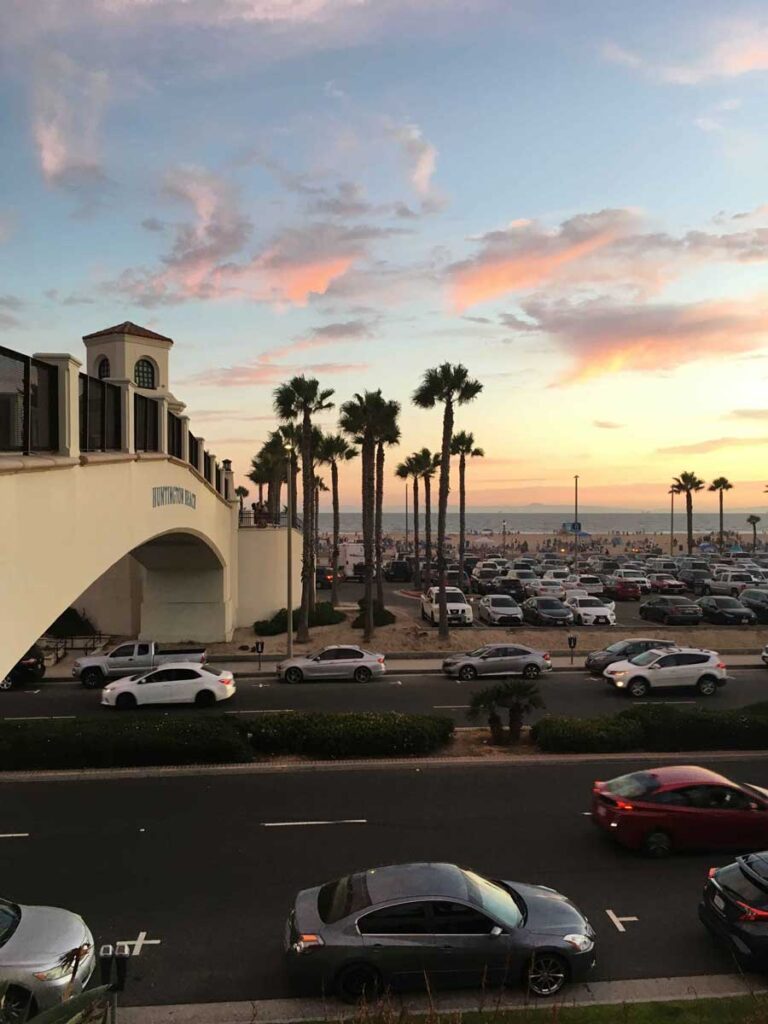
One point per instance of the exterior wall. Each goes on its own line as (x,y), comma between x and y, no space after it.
(113,601)
(261,573)
(180,606)
(123,352)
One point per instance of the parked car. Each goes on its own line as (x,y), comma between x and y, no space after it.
(591,583)
(591,611)
(46,956)
(726,611)
(453,579)
(757,601)
(557,574)
(180,683)
(634,576)
(597,661)
(29,667)
(436,926)
(323,577)
(545,588)
(666,669)
(482,579)
(498,660)
(340,661)
(397,571)
(731,583)
(734,904)
(661,565)
(669,610)
(681,807)
(131,658)
(665,583)
(459,610)
(621,590)
(546,611)
(505,585)
(499,610)
(695,580)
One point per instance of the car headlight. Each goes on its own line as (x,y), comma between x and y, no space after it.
(67,965)
(76,666)
(581,943)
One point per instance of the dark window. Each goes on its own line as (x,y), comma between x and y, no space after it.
(348,895)
(736,881)
(668,661)
(100,415)
(181,675)
(330,655)
(126,651)
(145,424)
(144,374)
(692,659)
(156,677)
(721,798)
(142,649)
(458,919)
(348,654)
(670,797)
(174,436)
(402,919)
(103,369)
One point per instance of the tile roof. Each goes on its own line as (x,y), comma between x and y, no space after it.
(128,328)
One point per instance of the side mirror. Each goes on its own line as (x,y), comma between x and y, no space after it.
(496,931)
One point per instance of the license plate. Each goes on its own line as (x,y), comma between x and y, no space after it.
(744,622)
(719,903)
(601,811)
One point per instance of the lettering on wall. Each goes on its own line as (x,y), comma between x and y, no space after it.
(173,496)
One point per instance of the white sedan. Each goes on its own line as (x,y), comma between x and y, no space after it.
(174,683)
(591,611)
(545,588)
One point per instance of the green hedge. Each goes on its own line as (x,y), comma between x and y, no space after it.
(560,735)
(333,736)
(117,739)
(323,615)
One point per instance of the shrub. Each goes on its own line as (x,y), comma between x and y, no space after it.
(381,616)
(558,734)
(122,741)
(332,736)
(671,728)
(323,615)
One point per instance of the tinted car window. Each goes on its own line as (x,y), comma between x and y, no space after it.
(549,603)
(181,674)
(123,652)
(458,919)
(721,798)
(636,784)
(644,658)
(402,919)
(142,649)
(348,654)
(342,897)
(670,798)
(10,915)
(691,659)
(330,655)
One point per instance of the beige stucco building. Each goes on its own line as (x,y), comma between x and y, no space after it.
(110,503)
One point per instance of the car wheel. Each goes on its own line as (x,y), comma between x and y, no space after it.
(294,675)
(657,845)
(125,701)
(92,678)
(362,674)
(6,684)
(547,973)
(18,1005)
(357,982)
(638,687)
(531,672)
(205,699)
(707,686)
(467,672)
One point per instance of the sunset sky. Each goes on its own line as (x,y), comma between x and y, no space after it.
(570,198)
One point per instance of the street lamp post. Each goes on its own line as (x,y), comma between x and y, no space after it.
(503,536)
(671,521)
(289,558)
(576,521)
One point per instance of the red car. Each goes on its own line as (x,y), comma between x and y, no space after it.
(663,583)
(623,590)
(682,807)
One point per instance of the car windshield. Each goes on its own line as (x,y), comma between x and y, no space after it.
(10,915)
(636,784)
(589,602)
(452,597)
(677,600)
(617,648)
(550,603)
(502,602)
(646,658)
(477,653)
(496,901)
(342,897)
(727,602)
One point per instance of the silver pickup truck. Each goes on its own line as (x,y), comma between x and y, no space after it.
(731,582)
(130,658)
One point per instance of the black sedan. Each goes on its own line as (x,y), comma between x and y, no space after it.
(679,611)
(546,611)
(734,908)
(757,601)
(436,926)
(597,661)
(726,611)
(30,667)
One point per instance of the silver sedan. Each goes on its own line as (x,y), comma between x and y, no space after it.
(338,662)
(499,610)
(498,660)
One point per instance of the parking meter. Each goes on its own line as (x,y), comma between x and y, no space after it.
(572,641)
(259,650)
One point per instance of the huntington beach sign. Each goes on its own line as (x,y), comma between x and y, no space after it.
(173,496)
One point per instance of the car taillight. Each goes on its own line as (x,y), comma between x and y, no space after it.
(380,661)
(547,656)
(712,872)
(624,806)
(720,664)
(751,913)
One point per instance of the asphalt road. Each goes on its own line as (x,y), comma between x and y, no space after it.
(566,693)
(205,868)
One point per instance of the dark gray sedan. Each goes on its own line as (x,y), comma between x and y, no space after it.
(402,926)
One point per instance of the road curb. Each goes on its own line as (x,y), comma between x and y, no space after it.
(599,993)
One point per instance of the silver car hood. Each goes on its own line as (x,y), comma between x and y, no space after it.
(42,936)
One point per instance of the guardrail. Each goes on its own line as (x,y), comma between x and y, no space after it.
(86,644)
(261,519)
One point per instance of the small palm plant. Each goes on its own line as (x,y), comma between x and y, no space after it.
(519,697)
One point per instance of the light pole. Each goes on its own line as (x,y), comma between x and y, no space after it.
(503,536)
(576,520)
(289,557)
(671,521)
(406,519)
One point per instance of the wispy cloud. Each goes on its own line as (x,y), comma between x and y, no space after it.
(702,447)
(421,160)
(328,334)
(607,424)
(263,372)
(747,414)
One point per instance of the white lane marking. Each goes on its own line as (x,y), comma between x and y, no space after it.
(619,921)
(395,682)
(37,718)
(586,814)
(288,824)
(139,943)
(451,707)
(14,835)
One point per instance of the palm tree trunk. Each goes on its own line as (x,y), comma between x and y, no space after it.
(317,522)
(754,537)
(462,515)
(416,559)
(335,553)
(368,456)
(261,493)
(721,521)
(302,635)
(689,519)
(294,488)
(427,532)
(442,510)
(379,508)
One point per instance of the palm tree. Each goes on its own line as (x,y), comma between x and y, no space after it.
(269,467)
(319,485)
(332,450)
(721,484)
(686,484)
(291,435)
(753,520)
(359,418)
(463,445)
(387,433)
(450,385)
(242,493)
(428,464)
(518,696)
(410,468)
(301,398)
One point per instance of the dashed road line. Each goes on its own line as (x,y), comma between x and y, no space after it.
(14,835)
(37,718)
(291,824)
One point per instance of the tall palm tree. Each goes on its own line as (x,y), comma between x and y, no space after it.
(427,463)
(686,484)
(463,445)
(450,385)
(332,450)
(269,467)
(410,468)
(301,398)
(242,493)
(387,433)
(358,419)
(291,435)
(753,520)
(721,484)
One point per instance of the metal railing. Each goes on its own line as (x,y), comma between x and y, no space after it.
(218,478)
(145,424)
(261,518)
(208,467)
(174,435)
(29,404)
(101,417)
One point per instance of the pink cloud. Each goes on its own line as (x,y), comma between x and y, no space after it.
(261,371)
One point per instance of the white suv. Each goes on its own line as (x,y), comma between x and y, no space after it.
(668,668)
(458,608)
